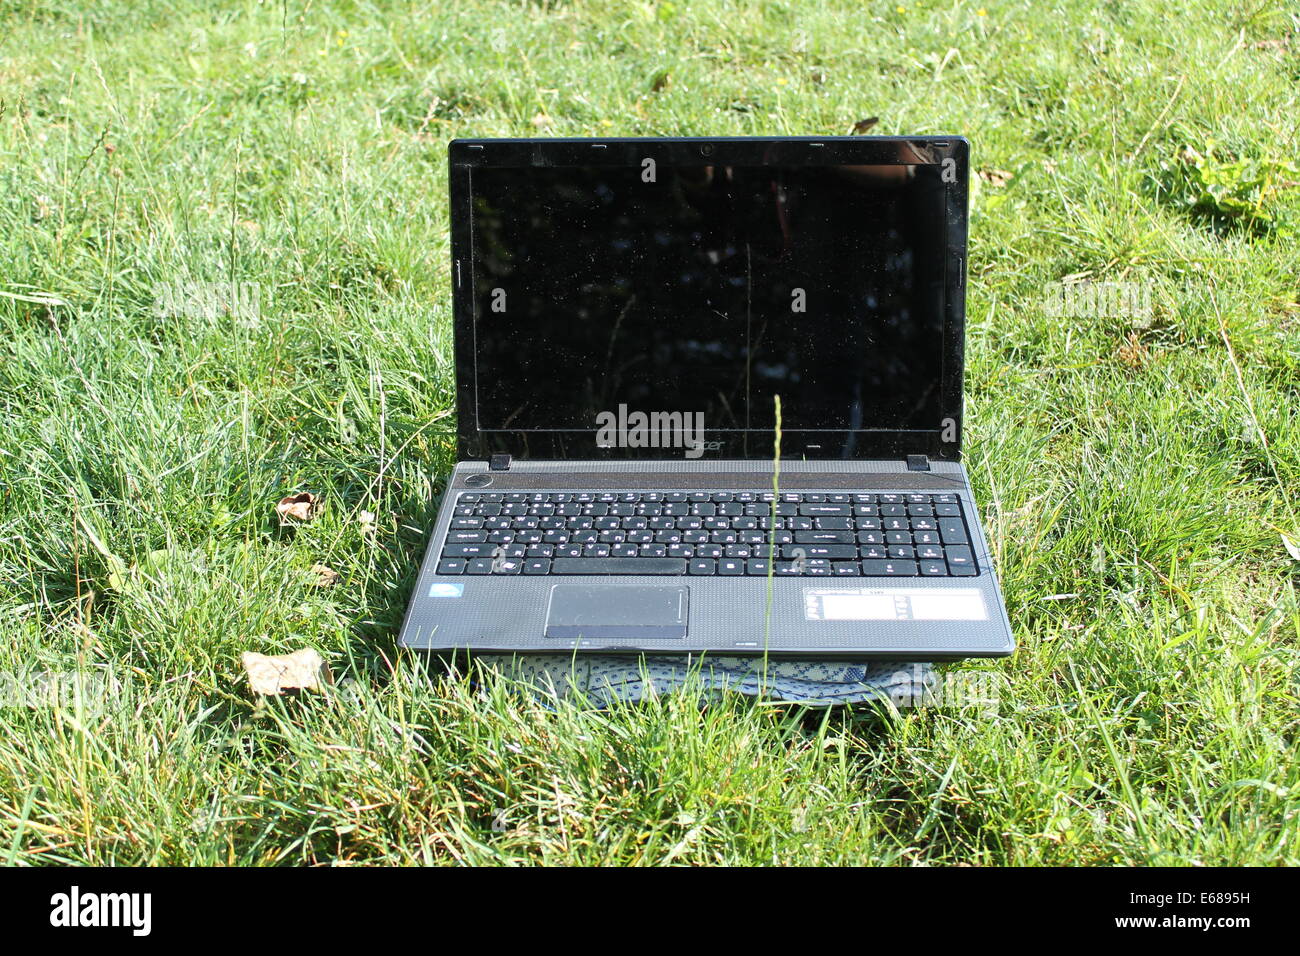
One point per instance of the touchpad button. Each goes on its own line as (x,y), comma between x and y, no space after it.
(605,612)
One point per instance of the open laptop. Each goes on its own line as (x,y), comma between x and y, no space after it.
(627,314)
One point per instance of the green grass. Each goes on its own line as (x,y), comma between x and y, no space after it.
(1135,473)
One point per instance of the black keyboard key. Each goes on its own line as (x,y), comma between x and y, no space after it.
(451,566)
(934,568)
(889,569)
(702,566)
(467,550)
(845,569)
(953,531)
(756,566)
(834,524)
(618,566)
(731,566)
(836,551)
(466,537)
(948,510)
(479,566)
(823,537)
(826,511)
(960,556)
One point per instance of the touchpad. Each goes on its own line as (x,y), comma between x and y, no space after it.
(604,612)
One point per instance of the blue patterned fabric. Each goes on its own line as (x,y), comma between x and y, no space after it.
(604,678)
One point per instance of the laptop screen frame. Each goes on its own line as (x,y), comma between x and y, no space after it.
(951,152)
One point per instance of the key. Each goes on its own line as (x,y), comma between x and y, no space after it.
(731,566)
(702,566)
(479,566)
(827,511)
(618,566)
(451,566)
(843,569)
(953,531)
(959,554)
(834,524)
(467,550)
(889,569)
(933,568)
(466,537)
(757,566)
(823,537)
(840,551)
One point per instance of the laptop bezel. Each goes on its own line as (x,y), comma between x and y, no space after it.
(466,155)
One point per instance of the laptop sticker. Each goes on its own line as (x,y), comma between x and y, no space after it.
(440,589)
(894,604)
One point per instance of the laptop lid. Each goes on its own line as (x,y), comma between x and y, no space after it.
(595,280)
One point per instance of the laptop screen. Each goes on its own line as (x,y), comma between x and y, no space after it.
(709,289)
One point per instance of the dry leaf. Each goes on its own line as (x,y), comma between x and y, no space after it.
(300,507)
(325,575)
(862,125)
(996,177)
(1133,353)
(271,674)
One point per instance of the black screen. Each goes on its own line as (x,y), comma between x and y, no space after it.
(709,289)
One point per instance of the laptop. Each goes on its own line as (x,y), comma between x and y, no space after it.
(709,399)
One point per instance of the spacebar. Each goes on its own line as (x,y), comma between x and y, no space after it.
(618,566)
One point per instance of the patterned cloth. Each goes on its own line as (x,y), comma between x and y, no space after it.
(605,678)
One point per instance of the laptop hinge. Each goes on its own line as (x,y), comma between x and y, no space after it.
(918,462)
(499,463)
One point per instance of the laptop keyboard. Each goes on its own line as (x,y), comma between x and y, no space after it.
(708,534)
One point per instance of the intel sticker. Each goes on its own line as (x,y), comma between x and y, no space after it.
(440,589)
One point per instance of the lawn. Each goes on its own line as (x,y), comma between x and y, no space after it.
(1136,456)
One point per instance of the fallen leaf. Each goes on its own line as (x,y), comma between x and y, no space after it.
(1133,353)
(862,125)
(300,507)
(270,674)
(995,177)
(325,575)
(659,82)
(1292,548)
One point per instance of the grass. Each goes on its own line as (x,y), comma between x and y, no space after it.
(1136,472)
